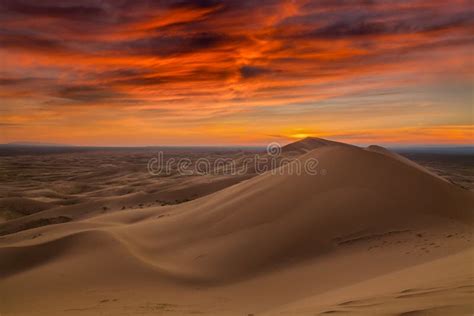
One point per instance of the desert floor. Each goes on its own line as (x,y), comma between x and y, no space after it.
(371,233)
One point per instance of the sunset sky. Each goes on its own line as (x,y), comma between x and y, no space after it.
(136,72)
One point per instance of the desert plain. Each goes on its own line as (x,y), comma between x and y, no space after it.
(371,232)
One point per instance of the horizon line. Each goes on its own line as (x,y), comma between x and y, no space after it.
(388,145)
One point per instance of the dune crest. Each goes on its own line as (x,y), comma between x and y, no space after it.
(308,144)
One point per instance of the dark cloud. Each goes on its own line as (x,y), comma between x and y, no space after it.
(140,81)
(355,24)
(338,4)
(196,3)
(463,19)
(173,45)
(11,124)
(58,9)
(86,93)
(15,81)
(344,29)
(198,75)
(122,73)
(29,42)
(128,77)
(253,71)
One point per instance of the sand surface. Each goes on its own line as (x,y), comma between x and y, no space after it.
(374,234)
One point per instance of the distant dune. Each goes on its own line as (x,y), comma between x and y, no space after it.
(374,234)
(15,207)
(39,144)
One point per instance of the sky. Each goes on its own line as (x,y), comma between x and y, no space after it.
(172,72)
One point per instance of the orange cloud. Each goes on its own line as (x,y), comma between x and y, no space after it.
(184,71)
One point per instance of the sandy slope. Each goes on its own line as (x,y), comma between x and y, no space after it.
(439,287)
(369,229)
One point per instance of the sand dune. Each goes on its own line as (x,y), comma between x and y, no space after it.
(14,207)
(432,288)
(168,194)
(279,242)
(308,144)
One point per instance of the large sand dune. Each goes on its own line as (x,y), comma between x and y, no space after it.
(372,234)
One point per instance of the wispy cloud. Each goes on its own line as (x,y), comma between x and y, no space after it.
(225,62)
